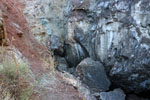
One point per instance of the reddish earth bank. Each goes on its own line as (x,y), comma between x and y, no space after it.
(19,35)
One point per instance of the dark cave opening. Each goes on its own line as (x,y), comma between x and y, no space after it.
(144,95)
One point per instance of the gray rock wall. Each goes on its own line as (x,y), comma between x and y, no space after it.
(113,32)
(46,17)
(117,33)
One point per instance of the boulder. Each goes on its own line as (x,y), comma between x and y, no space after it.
(61,64)
(116,94)
(92,73)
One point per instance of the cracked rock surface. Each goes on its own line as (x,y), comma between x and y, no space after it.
(96,40)
(116,33)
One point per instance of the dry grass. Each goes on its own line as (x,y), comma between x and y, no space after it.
(48,60)
(14,80)
(14,84)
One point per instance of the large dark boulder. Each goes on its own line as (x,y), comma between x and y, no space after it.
(116,94)
(92,74)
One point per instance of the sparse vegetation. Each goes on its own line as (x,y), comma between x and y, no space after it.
(14,80)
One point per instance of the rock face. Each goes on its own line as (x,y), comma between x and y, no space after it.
(114,32)
(46,17)
(92,73)
(74,53)
(116,94)
(117,33)
(56,45)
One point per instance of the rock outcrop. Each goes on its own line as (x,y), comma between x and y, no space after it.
(116,33)
(113,34)
(56,45)
(74,54)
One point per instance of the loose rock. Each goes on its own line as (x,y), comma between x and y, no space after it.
(116,94)
(61,64)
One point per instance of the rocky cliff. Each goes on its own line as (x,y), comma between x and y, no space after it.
(116,33)
(113,32)
(104,44)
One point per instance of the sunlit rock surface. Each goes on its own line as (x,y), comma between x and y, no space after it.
(46,17)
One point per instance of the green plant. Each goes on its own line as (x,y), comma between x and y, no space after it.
(14,80)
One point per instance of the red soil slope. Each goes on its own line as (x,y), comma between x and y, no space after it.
(19,34)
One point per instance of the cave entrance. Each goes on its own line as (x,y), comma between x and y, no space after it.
(145,94)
